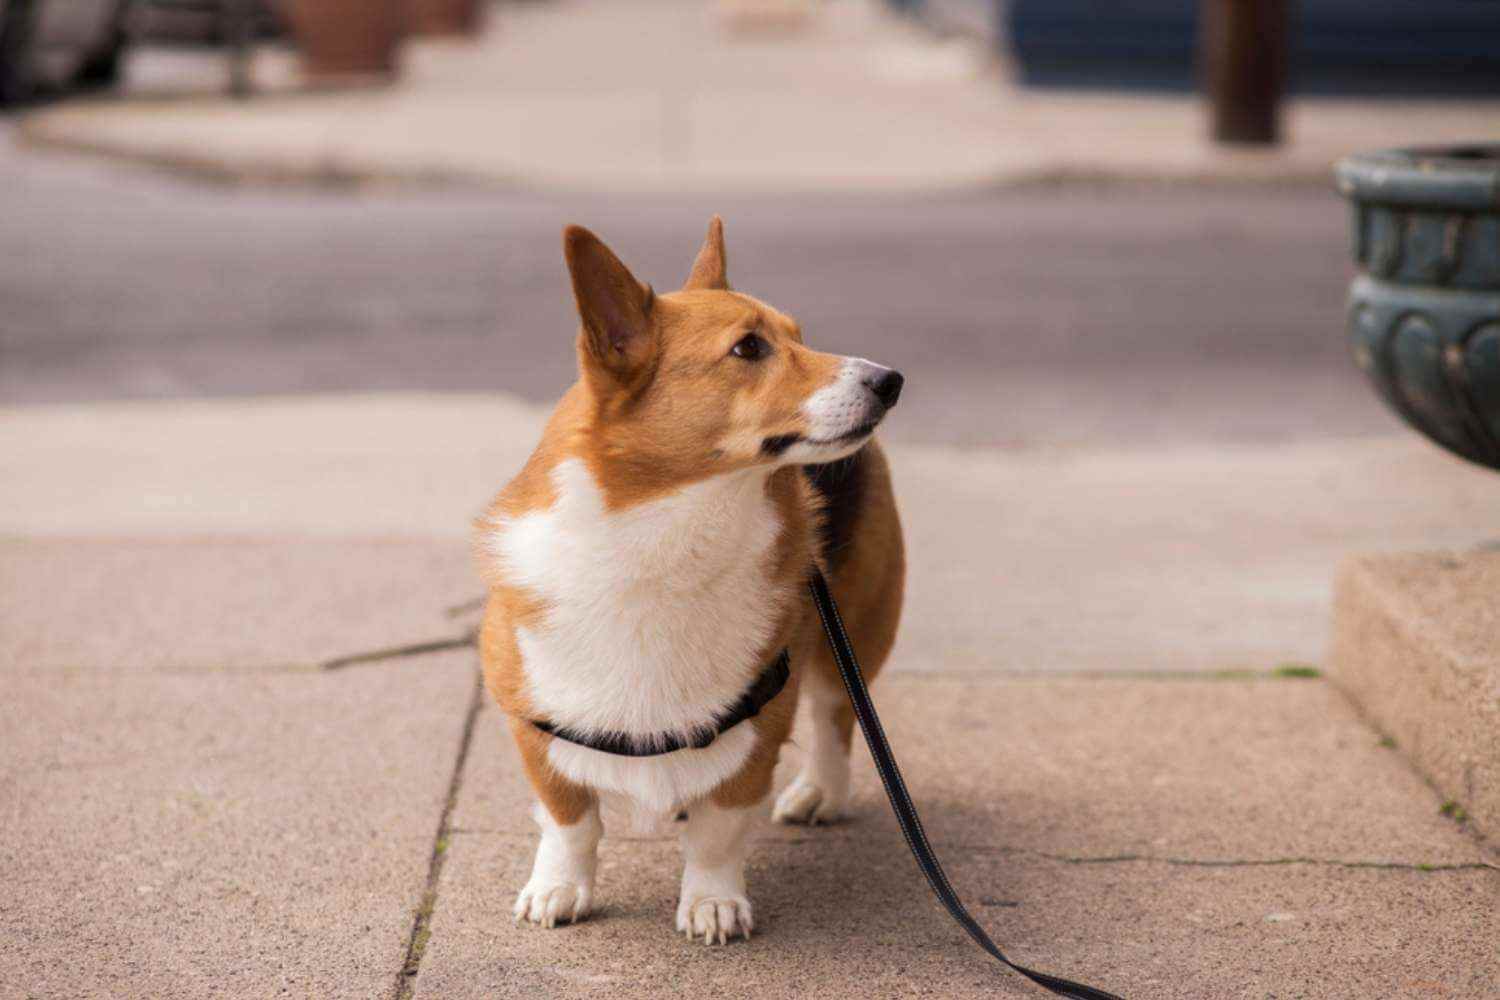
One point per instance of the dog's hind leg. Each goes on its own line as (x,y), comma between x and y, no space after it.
(821,789)
(716,835)
(866,569)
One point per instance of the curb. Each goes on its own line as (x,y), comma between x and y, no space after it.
(61,130)
(1414,640)
(33,132)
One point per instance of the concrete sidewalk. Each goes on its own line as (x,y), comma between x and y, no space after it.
(647,95)
(1195,557)
(247,751)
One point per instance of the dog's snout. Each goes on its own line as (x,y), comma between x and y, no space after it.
(886,384)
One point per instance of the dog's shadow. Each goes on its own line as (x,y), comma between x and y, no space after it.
(840,910)
(858,876)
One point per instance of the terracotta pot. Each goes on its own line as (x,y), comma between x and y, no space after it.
(442,17)
(346,39)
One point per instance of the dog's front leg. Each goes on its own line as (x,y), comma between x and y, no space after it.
(561,886)
(715,843)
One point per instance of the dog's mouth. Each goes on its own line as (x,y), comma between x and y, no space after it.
(863,430)
(774,446)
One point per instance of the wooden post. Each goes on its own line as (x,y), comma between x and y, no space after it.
(239,32)
(1242,63)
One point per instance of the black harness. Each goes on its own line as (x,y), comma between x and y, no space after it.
(766,687)
(756,697)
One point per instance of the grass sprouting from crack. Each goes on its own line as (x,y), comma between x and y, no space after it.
(1454,811)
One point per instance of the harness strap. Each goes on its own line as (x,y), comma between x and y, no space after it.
(901,804)
(767,686)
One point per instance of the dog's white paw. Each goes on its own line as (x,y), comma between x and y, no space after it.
(549,903)
(805,801)
(714,919)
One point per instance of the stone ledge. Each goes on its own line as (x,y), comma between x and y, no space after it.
(1416,644)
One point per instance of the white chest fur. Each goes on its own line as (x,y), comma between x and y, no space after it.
(657,616)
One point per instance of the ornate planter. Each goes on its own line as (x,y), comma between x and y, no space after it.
(1424,314)
(347,41)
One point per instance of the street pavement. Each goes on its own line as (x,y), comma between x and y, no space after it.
(243,431)
(248,752)
(1203,558)
(1051,315)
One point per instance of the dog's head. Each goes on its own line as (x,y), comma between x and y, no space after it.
(708,380)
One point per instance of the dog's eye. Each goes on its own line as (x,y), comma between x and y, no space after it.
(750,347)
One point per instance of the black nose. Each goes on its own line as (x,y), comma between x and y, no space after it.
(887,387)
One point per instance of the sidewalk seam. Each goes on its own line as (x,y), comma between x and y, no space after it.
(395,652)
(1106,859)
(421,928)
(1283,672)
(1082,859)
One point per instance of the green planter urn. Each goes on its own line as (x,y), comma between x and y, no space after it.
(1424,312)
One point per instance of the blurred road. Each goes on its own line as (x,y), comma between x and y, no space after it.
(1051,315)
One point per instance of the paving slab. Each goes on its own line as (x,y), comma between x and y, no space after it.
(1185,557)
(859,921)
(221,834)
(398,464)
(1165,838)
(859,101)
(1201,770)
(217,603)
(1416,644)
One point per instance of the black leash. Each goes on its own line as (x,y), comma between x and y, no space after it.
(901,804)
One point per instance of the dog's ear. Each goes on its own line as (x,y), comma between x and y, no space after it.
(618,331)
(710,269)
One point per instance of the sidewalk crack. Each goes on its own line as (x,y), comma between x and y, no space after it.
(1110,859)
(397,652)
(421,927)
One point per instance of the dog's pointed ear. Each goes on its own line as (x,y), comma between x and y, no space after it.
(710,269)
(618,331)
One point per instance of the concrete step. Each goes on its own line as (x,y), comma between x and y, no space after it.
(1417,646)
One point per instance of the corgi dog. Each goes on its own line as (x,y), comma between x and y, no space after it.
(648,627)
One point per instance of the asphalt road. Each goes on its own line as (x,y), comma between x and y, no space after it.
(1039,315)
